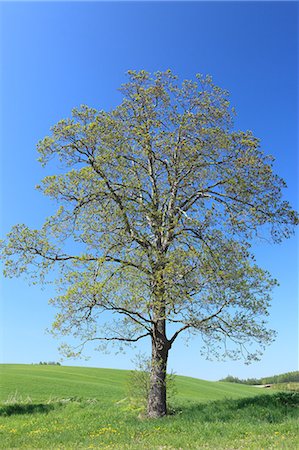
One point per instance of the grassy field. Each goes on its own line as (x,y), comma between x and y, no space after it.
(57,407)
(286,386)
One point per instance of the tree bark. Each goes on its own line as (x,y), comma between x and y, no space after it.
(157,406)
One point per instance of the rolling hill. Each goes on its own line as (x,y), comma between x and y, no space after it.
(39,382)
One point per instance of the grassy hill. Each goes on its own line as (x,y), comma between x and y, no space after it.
(40,382)
(75,407)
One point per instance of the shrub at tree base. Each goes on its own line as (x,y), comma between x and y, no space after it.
(139,385)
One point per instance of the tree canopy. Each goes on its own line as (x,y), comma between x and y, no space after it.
(159,201)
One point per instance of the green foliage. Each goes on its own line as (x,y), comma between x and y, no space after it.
(158,202)
(50,363)
(81,408)
(249,381)
(287,377)
(282,378)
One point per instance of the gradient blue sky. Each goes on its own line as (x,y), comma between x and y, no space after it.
(55,56)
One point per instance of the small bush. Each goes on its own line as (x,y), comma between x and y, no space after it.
(139,384)
(49,363)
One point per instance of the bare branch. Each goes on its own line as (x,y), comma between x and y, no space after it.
(116,338)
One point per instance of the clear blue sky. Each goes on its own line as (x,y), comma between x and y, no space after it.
(55,56)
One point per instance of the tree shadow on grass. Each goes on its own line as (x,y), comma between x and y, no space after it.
(277,400)
(30,408)
(269,408)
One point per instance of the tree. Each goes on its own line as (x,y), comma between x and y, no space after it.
(161,198)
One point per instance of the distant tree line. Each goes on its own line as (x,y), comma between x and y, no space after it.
(50,363)
(282,378)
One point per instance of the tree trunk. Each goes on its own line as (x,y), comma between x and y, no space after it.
(157,394)
(160,346)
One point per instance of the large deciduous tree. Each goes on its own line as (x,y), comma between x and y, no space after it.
(161,198)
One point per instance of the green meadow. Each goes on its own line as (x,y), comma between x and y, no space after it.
(58,407)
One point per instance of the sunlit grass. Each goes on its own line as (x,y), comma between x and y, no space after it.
(70,408)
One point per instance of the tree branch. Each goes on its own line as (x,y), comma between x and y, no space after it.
(142,242)
(115,338)
(197,324)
